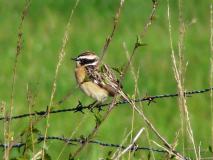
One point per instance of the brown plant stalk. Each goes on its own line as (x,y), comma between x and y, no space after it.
(211,70)
(18,52)
(61,56)
(178,73)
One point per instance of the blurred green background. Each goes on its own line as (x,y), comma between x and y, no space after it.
(92,21)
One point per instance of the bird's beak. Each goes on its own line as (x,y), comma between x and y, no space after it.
(74,59)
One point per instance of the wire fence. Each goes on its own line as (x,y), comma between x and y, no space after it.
(81,108)
(90,107)
(81,140)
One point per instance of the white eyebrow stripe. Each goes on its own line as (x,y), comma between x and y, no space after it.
(92,64)
(88,57)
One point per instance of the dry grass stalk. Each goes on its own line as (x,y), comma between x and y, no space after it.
(180,77)
(3,110)
(38,155)
(133,111)
(161,138)
(168,151)
(118,151)
(178,72)
(132,144)
(199,151)
(18,52)
(211,70)
(137,92)
(62,54)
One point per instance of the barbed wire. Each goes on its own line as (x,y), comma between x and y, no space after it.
(73,141)
(90,107)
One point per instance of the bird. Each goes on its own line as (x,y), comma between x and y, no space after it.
(96,79)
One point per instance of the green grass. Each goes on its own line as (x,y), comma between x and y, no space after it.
(43,31)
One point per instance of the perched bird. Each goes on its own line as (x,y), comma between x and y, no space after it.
(96,80)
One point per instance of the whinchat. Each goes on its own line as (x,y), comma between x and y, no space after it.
(95,79)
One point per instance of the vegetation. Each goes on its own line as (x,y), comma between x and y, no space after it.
(43,30)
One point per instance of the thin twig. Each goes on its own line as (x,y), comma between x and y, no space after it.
(115,24)
(138,42)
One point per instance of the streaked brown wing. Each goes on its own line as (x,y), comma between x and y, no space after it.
(105,78)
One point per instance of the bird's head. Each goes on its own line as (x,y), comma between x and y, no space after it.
(86,59)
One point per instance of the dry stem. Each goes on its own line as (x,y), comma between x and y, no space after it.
(18,52)
(62,54)
(132,144)
(137,92)
(115,24)
(211,70)
(178,72)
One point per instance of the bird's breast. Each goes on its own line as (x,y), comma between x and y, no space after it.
(90,88)
(94,91)
(80,74)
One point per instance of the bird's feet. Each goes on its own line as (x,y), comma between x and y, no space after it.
(94,105)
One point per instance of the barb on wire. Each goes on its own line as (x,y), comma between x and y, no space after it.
(73,141)
(81,108)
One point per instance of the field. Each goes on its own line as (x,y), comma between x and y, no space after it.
(43,30)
